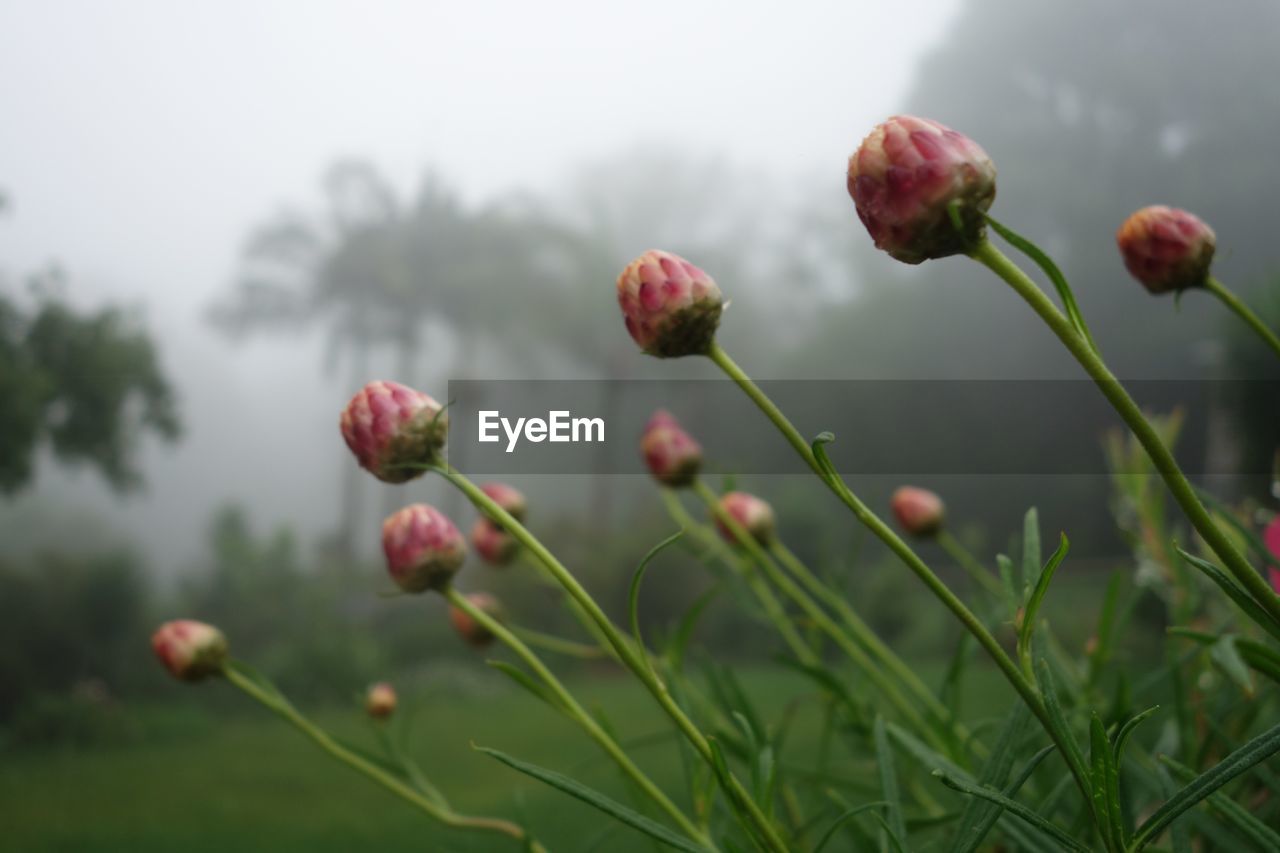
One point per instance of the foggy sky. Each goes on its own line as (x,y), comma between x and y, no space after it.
(140,141)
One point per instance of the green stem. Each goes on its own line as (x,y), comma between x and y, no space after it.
(1183,492)
(744,569)
(578,714)
(559,645)
(862,633)
(739,797)
(902,550)
(978,572)
(820,618)
(1244,312)
(322,739)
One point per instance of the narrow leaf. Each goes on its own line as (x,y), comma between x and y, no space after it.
(522,678)
(1014,808)
(633,596)
(846,816)
(1030,548)
(1029,615)
(888,779)
(1252,753)
(1235,593)
(994,772)
(596,800)
(1105,782)
(1236,815)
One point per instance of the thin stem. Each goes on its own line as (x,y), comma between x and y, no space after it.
(1244,312)
(978,572)
(902,550)
(559,645)
(820,618)
(578,714)
(863,634)
(322,739)
(773,608)
(1183,492)
(739,797)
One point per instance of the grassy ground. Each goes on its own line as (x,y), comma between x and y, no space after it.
(250,783)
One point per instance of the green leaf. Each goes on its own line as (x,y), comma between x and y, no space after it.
(1074,756)
(1127,729)
(1241,760)
(845,816)
(1105,784)
(1010,791)
(1042,260)
(1007,580)
(595,799)
(1235,593)
(1264,659)
(1232,812)
(1030,548)
(895,838)
(979,816)
(522,678)
(888,779)
(1037,596)
(1227,656)
(633,597)
(1014,808)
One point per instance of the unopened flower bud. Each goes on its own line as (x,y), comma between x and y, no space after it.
(751,513)
(1166,249)
(393,429)
(671,307)
(672,455)
(423,548)
(919,511)
(190,650)
(507,497)
(907,175)
(469,629)
(495,546)
(380,701)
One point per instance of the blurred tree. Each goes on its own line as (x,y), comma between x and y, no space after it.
(85,383)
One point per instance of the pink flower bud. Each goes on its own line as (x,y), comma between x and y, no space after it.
(671,307)
(672,455)
(392,428)
(495,546)
(424,550)
(469,629)
(380,701)
(1166,249)
(190,650)
(903,180)
(751,513)
(1271,536)
(919,511)
(507,497)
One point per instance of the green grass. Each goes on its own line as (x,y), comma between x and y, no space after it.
(250,782)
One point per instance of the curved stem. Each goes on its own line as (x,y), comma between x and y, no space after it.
(1244,312)
(578,714)
(773,608)
(902,550)
(820,618)
(740,798)
(1183,492)
(322,739)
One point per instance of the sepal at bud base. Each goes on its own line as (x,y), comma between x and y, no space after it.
(495,546)
(469,629)
(424,549)
(380,701)
(919,512)
(752,513)
(909,177)
(508,497)
(190,650)
(671,454)
(393,430)
(671,308)
(1166,249)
